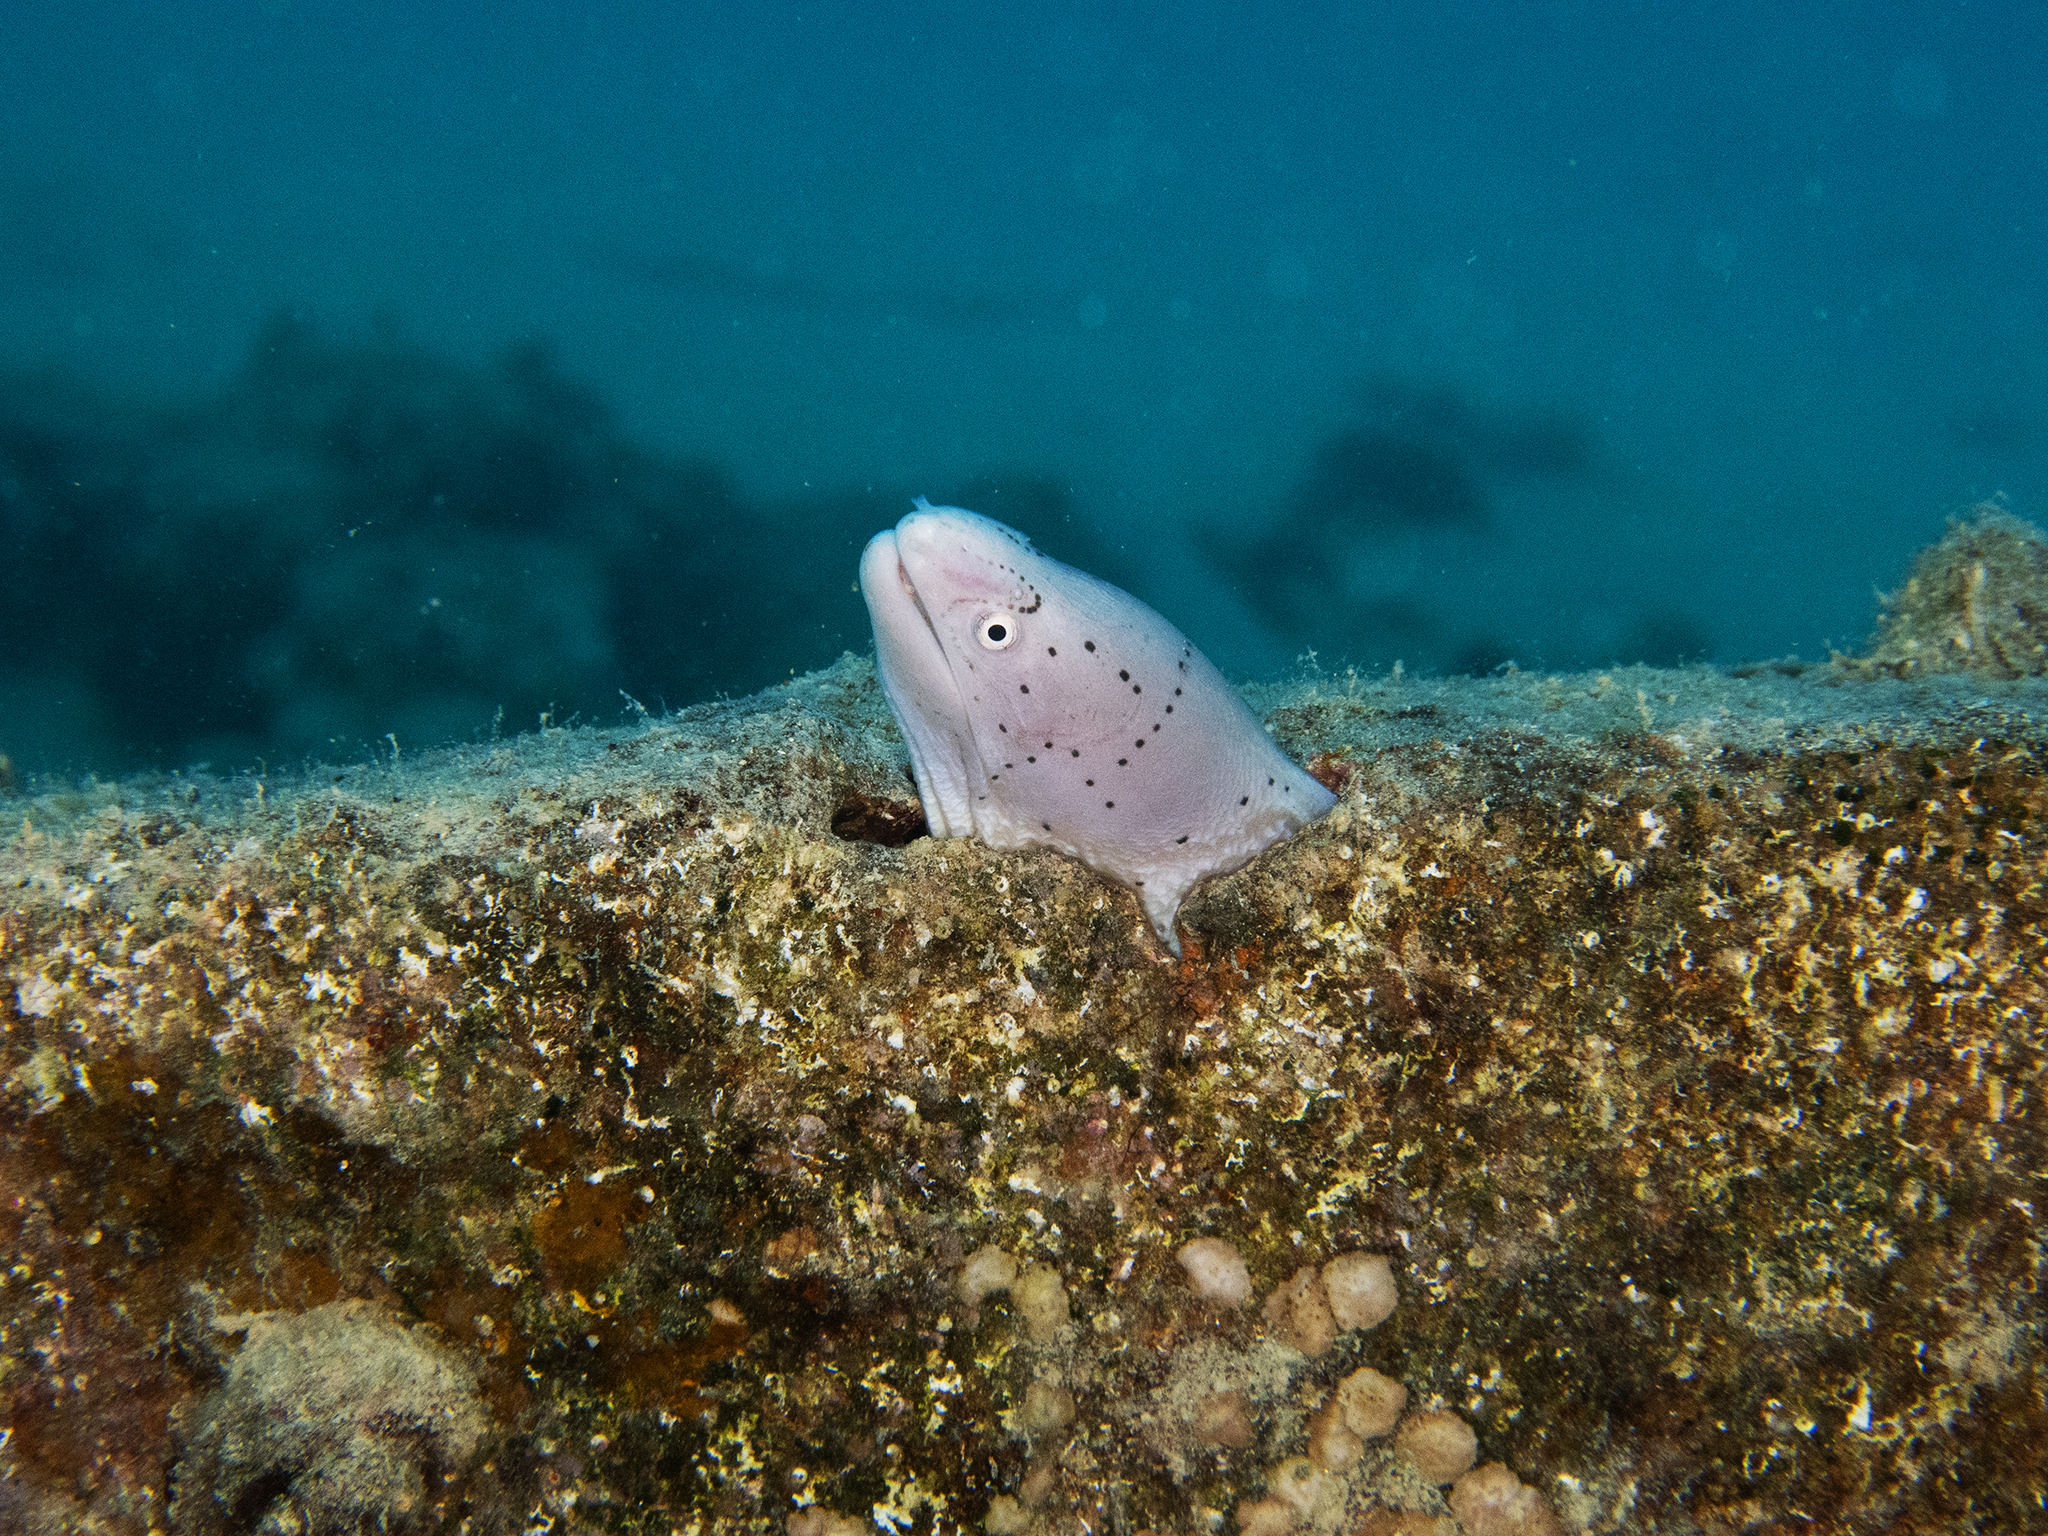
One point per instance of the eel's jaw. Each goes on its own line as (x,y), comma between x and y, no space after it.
(919,686)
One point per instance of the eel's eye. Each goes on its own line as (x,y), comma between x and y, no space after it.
(996,631)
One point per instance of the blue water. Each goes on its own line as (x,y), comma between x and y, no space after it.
(376,371)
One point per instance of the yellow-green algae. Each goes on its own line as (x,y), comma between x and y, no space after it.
(1679,1036)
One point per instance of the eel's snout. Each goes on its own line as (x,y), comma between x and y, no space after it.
(882,562)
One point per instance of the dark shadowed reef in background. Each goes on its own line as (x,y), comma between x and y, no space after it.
(355,542)
(365,545)
(361,545)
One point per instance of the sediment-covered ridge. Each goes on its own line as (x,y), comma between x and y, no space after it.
(645,1130)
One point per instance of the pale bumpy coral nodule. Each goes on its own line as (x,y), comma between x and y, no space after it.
(1215,1272)
(1042,1301)
(1492,1501)
(1440,1444)
(1360,1288)
(1365,1406)
(988,1270)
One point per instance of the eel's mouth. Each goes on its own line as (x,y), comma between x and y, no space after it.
(885,546)
(910,591)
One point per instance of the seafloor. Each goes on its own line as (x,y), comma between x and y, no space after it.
(592,1132)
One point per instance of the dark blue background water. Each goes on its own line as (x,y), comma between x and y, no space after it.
(375,368)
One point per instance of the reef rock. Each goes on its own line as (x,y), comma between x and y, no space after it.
(1676,1037)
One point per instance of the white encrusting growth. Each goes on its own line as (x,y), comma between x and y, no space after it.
(1440,1444)
(988,1270)
(1360,1287)
(1042,1302)
(1216,1273)
(1491,1501)
(1046,708)
(1365,1406)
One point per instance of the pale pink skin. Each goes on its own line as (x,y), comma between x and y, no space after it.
(989,650)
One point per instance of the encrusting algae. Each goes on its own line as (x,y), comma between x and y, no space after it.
(591,1138)
(1976,602)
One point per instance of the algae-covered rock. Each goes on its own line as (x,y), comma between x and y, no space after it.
(329,1420)
(1976,602)
(1676,1039)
